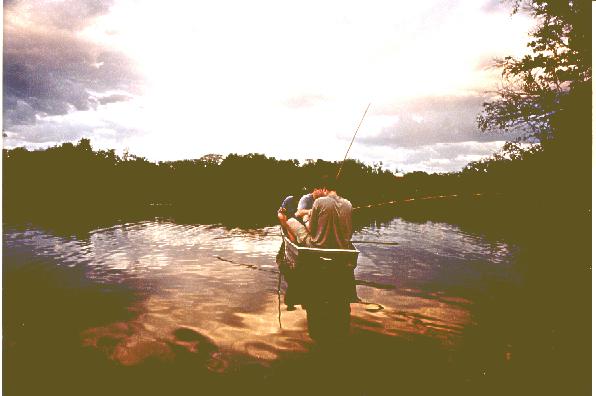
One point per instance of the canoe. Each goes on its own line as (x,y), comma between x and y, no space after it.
(316,275)
(302,257)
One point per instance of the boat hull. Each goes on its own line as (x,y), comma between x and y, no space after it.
(315,276)
(305,257)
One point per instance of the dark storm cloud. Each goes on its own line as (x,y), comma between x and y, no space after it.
(433,120)
(49,70)
(19,112)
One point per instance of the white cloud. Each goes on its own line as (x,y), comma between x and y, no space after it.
(285,79)
(438,157)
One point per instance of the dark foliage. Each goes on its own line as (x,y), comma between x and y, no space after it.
(559,61)
(73,180)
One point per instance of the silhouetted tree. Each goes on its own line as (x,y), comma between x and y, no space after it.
(559,62)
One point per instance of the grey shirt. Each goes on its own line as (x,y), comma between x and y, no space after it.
(306,202)
(331,223)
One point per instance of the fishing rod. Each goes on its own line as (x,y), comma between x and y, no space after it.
(350,146)
(378,242)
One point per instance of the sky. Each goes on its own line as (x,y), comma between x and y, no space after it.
(182,79)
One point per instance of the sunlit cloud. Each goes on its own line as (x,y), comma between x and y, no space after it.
(287,80)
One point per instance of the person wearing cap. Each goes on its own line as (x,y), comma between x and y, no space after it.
(288,207)
(287,211)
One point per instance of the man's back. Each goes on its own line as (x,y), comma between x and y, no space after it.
(331,223)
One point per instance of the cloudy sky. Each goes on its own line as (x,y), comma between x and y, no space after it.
(181,79)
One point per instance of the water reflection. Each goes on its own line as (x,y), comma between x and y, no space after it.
(432,258)
(212,293)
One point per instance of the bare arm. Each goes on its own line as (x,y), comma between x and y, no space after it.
(303,212)
(283,220)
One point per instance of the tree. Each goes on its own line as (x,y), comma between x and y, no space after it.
(85,145)
(534,87)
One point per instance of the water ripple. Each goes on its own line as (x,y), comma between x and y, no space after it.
(201,278)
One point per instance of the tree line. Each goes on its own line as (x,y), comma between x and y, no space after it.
(73,179)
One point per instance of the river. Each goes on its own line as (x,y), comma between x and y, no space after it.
(152,306)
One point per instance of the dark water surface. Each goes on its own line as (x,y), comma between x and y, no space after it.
(155,306)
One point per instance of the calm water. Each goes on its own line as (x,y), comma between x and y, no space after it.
(205,298)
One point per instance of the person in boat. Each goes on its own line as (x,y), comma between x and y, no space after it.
(297,227)
(288,207)
(286,211)
(325,292)
(330,222)
(304,208)
(289,210)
